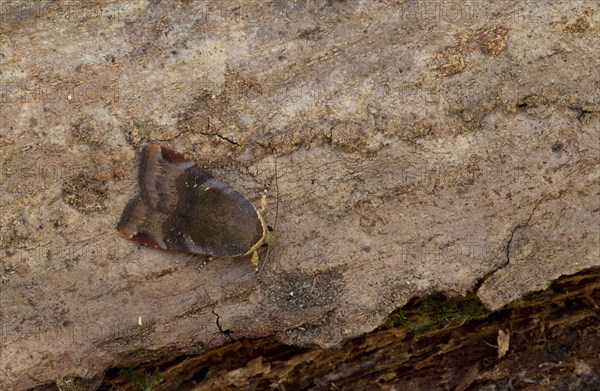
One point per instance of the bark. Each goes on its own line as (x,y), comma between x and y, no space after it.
(407,148)
(432,343)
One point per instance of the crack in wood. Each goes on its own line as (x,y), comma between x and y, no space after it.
(224,333)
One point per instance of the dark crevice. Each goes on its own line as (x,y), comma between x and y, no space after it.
(510,239)
(227,139)
(580,112)
(224,138)
(508,244)
(225,333)
(172,138)
(520,226)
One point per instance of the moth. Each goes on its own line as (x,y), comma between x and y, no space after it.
(184,208)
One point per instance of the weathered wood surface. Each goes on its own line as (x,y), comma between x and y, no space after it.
(431,344)
(419,147)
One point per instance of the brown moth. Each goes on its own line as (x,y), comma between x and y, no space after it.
(184,208)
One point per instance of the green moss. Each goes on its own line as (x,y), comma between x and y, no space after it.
(396,319)
(474,309)
(143,379)
(435,310)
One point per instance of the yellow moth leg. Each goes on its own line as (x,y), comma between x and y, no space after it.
(263,202)
(255,260)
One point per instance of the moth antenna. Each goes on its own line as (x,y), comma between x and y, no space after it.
(276,214)
(277,201)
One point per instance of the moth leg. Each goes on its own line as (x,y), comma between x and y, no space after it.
(263,203)
(255,260)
